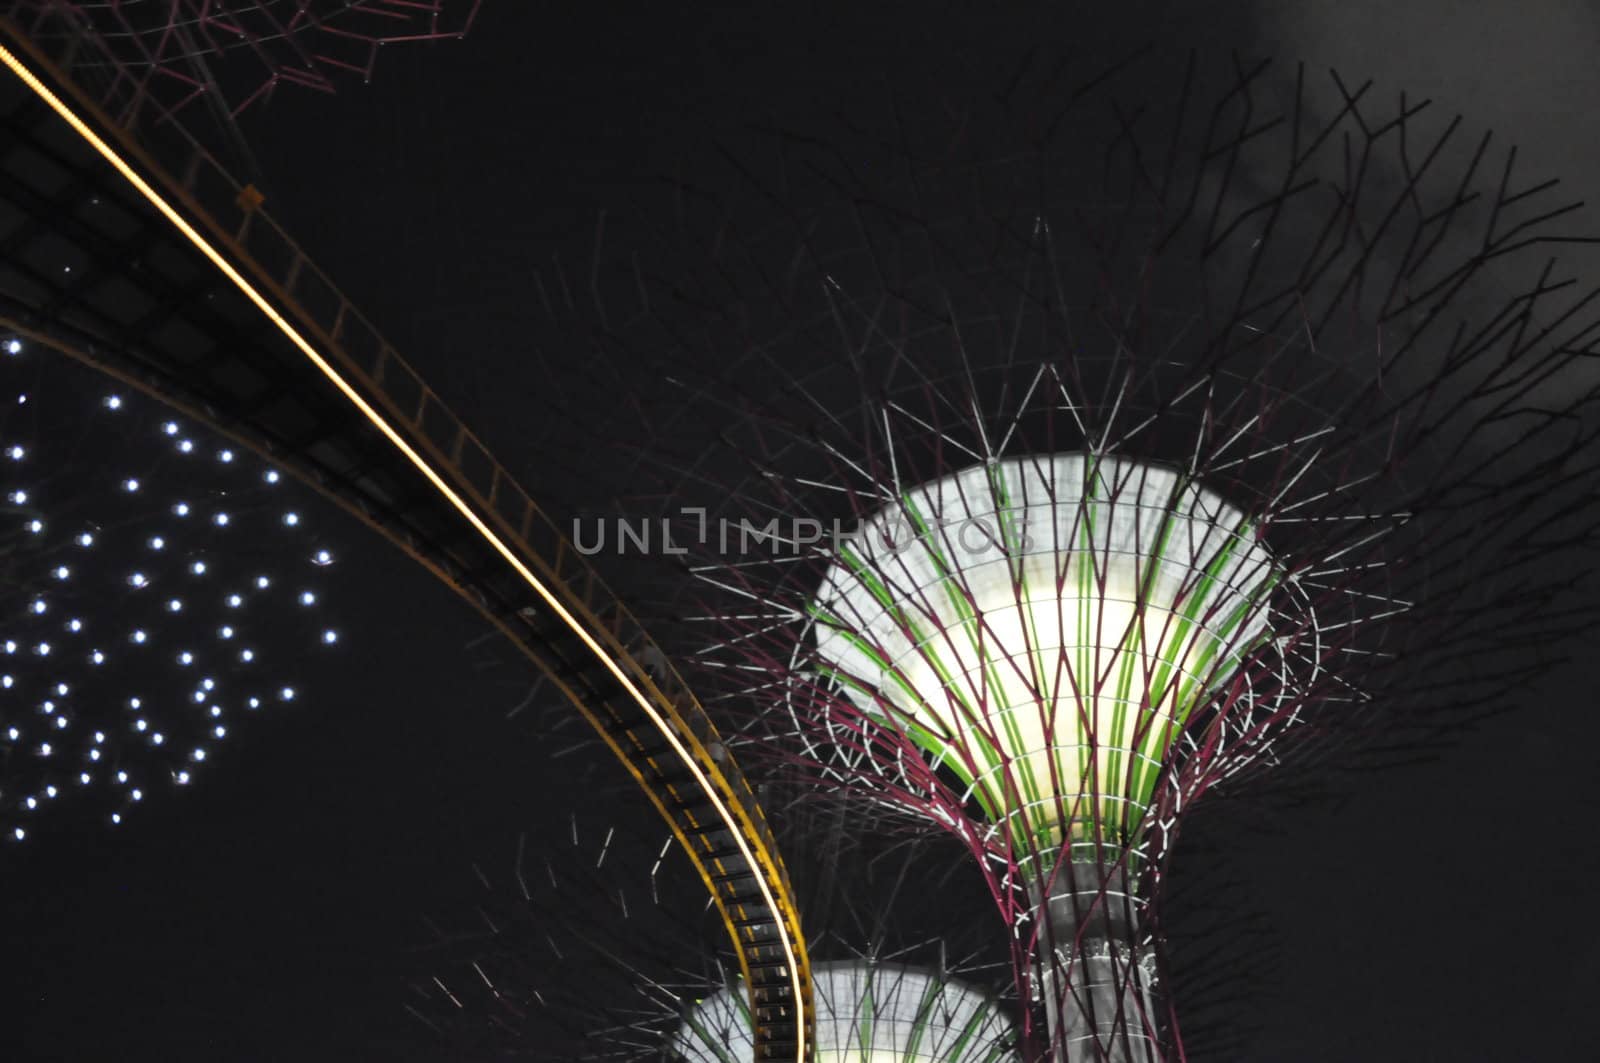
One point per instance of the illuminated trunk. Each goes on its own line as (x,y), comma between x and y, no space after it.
(1097,982)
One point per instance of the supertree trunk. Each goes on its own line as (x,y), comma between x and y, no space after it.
(1097,971)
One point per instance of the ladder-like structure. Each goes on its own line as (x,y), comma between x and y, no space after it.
(134,252)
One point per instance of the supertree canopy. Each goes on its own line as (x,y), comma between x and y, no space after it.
(161,588)
(867,1012)
(169,53)
(1119,588)
(1047,461)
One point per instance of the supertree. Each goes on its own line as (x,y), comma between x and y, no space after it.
(1036,467)
(595,942)
(161,588)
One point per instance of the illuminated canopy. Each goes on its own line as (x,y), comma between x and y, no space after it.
(1044,626)
(867,1012)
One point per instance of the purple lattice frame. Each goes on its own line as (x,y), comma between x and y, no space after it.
(167,54)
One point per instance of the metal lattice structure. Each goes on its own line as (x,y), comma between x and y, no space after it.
(130,249)
(149,59)
(1045,465)
(866,1010)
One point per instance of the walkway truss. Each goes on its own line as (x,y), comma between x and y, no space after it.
(140,256)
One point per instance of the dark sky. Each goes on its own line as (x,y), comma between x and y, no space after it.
(266,916)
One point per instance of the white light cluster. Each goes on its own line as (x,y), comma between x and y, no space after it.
(122,678)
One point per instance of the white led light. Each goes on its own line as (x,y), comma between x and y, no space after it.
(329,637)
(13,346)
(161,534)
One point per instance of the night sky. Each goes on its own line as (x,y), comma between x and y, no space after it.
(270,913)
